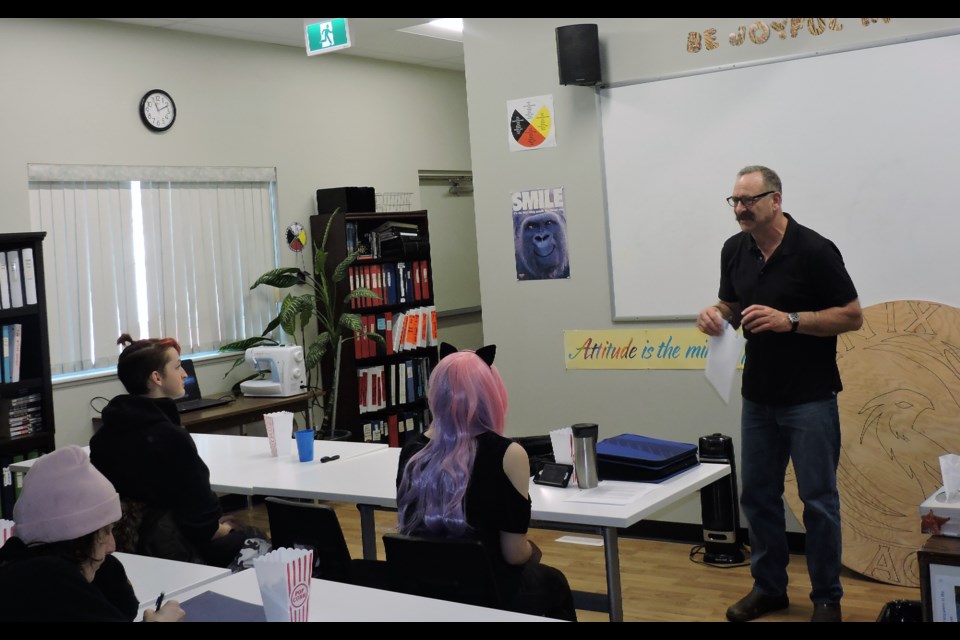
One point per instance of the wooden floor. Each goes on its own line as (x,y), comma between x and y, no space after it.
(660,582)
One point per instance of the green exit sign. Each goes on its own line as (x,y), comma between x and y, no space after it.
(327,35)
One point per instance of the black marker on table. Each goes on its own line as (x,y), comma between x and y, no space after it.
(329,458)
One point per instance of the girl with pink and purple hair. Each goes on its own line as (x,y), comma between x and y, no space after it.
(463,478)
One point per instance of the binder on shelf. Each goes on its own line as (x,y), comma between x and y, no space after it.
(388,333)
(16,282)
(424,329)
(4,282)
(417,291)
(29,277)
(411,388)
(15,352)
(7,492)
(425,280)
(7,355)
(393,431)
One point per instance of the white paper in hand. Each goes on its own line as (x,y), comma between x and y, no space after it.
(284,578)
(723,354)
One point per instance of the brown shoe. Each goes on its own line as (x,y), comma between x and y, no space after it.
(754,605)
(826,612)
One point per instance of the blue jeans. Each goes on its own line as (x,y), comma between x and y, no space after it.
(808,433)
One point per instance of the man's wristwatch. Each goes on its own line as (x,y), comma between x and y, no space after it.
(794,319)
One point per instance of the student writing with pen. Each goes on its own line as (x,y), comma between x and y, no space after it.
(58,566)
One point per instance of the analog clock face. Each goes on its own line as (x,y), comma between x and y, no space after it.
(157,110)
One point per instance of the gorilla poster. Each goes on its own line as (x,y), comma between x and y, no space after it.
(540,234)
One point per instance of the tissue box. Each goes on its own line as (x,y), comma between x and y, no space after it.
(940,517)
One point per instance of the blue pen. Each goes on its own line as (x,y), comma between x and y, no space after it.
(159,601)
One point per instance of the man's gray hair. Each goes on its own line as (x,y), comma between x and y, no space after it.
(771,181)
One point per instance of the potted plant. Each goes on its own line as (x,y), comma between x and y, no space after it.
(336,324)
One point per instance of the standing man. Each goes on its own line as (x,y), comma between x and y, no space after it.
(788,287)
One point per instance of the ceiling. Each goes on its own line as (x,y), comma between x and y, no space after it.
(371,37)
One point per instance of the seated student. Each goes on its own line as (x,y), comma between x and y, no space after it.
(153,462)
(57,567)
(463,478)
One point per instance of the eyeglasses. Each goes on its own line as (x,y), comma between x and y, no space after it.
(747,201)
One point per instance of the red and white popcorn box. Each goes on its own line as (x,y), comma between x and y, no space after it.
(279,431)
(284,577)
(6,531)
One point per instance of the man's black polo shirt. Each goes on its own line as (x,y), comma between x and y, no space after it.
(805,273)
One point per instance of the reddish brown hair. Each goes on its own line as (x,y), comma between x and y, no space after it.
(140,358)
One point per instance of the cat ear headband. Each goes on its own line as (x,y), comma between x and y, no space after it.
(487,353)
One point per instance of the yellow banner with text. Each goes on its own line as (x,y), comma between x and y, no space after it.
(684,348)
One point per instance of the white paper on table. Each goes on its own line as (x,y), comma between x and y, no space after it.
(562,442)
(723,354)
(606,493)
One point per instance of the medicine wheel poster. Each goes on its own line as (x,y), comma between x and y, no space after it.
(899,412)
(531,123)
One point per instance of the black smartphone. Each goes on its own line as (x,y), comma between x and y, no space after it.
(554,474)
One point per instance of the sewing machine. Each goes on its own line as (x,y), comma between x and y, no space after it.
(287,375)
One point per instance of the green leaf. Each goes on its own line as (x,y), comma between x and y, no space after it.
(236,363)
(326,232)
(282,278)
(305,316)
(319,261)
(243,345)
(376,337)
(316,352)
(341,271)
(351,321)
(360,292)
(292,307)
(270,327)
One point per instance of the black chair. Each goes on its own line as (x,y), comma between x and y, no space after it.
(453,569)
(305,524)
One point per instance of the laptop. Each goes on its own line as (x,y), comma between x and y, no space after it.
(192,399)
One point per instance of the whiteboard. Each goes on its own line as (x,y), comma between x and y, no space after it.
(866,143)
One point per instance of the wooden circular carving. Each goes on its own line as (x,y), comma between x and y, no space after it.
(899,412)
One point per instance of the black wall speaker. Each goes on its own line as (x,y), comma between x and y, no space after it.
(720,505)
(578,54)
(347,199)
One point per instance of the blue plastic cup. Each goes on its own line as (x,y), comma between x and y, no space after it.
(305,444)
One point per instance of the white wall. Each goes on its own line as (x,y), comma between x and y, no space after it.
(511,59)
(71,88)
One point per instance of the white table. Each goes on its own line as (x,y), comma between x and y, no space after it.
(152,576)
(339,602)
(370,482)
(238,464)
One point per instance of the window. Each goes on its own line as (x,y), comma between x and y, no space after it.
(153,252)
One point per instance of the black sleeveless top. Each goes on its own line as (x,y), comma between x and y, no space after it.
(492,503)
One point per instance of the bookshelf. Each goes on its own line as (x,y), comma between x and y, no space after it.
(26,398)
(382,389)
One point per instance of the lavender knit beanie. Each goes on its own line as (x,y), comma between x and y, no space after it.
(64,497)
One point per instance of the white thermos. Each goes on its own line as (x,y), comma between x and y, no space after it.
(585,454)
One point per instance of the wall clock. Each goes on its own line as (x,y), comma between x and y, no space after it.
(157,110)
